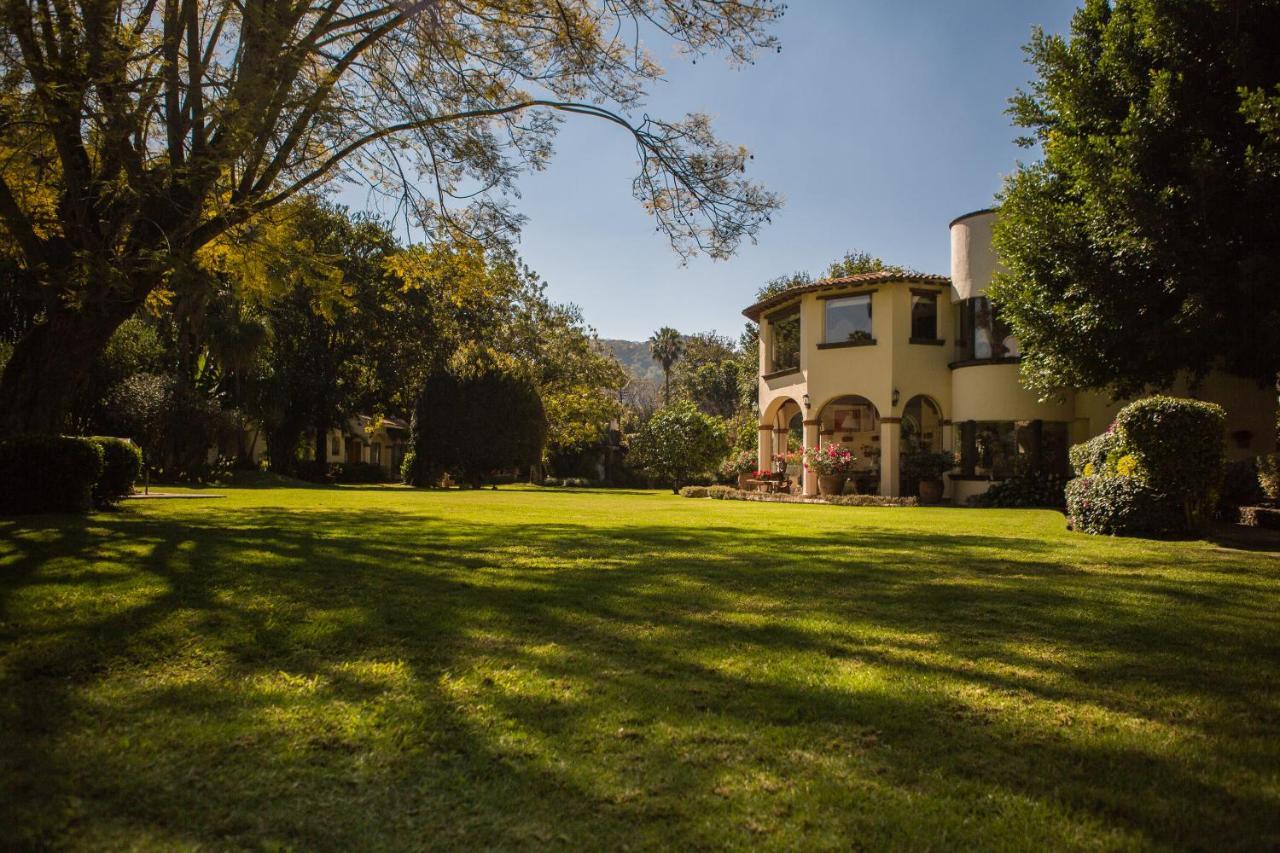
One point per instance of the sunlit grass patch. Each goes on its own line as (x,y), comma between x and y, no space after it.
(353,668)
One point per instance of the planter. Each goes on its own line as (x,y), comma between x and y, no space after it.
(743,480)
(830,485)
(930,491)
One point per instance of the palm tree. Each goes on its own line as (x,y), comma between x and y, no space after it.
(666,346)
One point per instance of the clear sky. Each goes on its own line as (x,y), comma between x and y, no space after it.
(879,122)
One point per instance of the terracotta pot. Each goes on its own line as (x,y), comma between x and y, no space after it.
(742,480)
(830,485)
(930,491)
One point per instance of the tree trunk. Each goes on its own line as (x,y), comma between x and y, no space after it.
(48,365)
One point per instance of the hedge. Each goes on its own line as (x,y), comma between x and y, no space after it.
(48,473)
(357,472)
(1121,506)
(121,465)
(1180,449)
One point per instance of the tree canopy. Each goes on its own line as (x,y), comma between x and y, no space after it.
(1146,241)
(137,132)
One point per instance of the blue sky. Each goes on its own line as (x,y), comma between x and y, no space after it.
(879,122)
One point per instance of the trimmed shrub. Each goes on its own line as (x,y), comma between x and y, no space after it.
(871,500)
(1094,453)
(551,481)
(720,492)
(475,421)
(576,483)
(1180,449)
(678,444)
(1269,475)
(1122,506)
(121,465)
(48,473)
(694,492)
(357,472)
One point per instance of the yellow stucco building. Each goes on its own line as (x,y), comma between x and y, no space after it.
(886,363)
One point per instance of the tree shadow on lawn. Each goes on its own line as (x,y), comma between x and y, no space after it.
(263,674)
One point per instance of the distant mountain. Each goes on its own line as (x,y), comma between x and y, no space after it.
(634,356)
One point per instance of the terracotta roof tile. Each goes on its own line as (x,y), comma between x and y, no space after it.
(880,277)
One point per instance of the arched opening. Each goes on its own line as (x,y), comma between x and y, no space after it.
(921,433)
(853,422)
(784,426)
(921,426)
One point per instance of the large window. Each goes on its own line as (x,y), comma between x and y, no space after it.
(996,449)
(784,340)
(981,333)
(848,320)
(924,316)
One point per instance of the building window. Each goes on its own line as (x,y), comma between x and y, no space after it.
(335,445)
(784,340)
(924,316)
(997,449)
(848,319)
(981,334)
(375,453)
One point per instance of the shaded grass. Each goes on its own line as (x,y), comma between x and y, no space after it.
(376,667)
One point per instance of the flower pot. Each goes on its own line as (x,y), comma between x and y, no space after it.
(930,491)
(830,485)
(742,480)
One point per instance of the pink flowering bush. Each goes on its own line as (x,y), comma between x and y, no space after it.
(831,460)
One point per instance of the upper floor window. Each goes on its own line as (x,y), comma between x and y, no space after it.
(924,316)
(784,340)
(981,334)
(848,320)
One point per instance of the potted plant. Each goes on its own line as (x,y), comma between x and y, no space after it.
(833,464)
(927,468)
(743,466)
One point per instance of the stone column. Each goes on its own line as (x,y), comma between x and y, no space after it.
(764,447)
(811,440)
(890,450)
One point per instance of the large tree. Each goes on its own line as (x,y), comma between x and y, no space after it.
(1146,242)
(135,132)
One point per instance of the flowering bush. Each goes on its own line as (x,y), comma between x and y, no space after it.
(742,463)
(831,460)
(1120,506)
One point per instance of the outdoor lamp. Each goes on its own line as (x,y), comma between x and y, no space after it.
(805,398)
(896,396)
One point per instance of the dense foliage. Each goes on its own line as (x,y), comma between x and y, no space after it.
(1146,242)
(1157,469)
(1122,506)
(137,137)
(1179,447)
(678,442)
(474,421)
(121,467)
(1029,486)
(48,473)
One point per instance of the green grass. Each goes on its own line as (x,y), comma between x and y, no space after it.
(356,668)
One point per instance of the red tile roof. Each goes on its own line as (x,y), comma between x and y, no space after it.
(881,277)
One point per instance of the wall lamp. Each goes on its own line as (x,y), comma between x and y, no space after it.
(805,399)
(896,396)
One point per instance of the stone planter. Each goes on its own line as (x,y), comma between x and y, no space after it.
(830,485)
(930,491)
(742,481)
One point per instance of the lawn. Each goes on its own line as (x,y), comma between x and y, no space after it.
(355,668)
